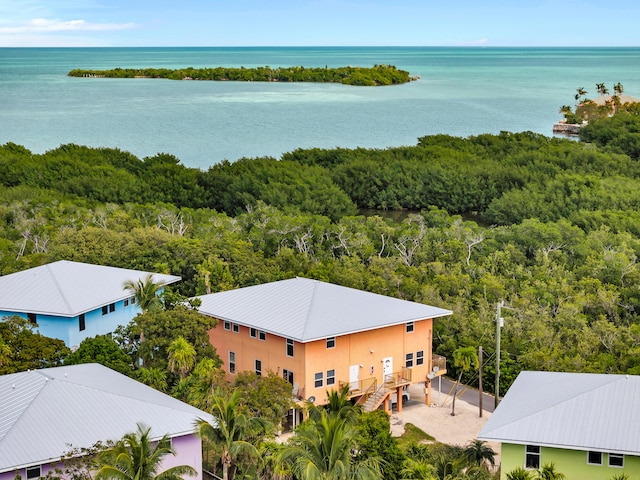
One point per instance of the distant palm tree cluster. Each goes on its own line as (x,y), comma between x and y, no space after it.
(605,104)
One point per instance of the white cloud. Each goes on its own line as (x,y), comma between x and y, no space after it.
(43,25)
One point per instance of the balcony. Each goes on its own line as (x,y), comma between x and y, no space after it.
(438,364)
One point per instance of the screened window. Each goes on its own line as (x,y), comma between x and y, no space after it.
(235,327)
(420,357)
(289,347)
(331,377)
(32,318)
(616,460)
(259,367)
(594,458)
(253,333)
(408,360)
(126,302)
(532,456)
(105,309)
(410,327)
(227,325)
(331,342)
(112,307)
(287,375)
(34,472)
(262,335)
(232,362)
(318,380)
(81,323)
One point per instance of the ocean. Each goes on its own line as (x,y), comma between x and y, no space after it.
(462,91)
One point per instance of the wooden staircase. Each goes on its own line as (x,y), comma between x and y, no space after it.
(375,399)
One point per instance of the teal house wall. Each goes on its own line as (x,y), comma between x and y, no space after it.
(572,463)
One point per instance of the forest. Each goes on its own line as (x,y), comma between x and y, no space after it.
(549,226)
(358,76)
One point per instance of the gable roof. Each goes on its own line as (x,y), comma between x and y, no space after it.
(67,289)
(577,411)
(306,310)
(43,412)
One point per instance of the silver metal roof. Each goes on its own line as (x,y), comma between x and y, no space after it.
(307,310)
(67,289)
(43,412)
(578,411)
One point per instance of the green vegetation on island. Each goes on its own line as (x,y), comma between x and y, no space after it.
(359,76)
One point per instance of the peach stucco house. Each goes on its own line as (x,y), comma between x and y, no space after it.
(320,336)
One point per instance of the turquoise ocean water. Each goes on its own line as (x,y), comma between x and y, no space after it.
(462,91)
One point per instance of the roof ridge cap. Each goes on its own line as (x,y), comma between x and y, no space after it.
(310,304)
(55,282)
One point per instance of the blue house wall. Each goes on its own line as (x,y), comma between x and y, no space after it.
(95,321)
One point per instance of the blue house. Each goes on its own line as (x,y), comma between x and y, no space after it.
(71,300)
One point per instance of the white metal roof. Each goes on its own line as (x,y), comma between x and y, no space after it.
(67,289)
(43,412)
(577,411)
(307,310)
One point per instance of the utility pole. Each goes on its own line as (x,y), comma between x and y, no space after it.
(480,378)
(499,323)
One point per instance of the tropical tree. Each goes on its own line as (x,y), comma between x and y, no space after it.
(138,457)
(338,403)
(145,291)
(478,453)
(322,449)
(463,358)
(618,88)
(519,474)
(153,377)
(234,432)
(548,472)
(182,357)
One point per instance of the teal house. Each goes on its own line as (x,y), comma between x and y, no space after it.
(587,425)
(72,300)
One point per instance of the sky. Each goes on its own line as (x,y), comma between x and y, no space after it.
(124,23)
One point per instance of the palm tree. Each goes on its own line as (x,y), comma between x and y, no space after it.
(146,292)
(618,89)
(478,453)
(548,472)
(182,357)
(154,378)
(519,474)
(463,357)
(322,449)
(232,431)
(135,457)
(338,403)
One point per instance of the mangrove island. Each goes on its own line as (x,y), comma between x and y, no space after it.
(359,76)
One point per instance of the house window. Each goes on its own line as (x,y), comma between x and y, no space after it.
(408,360)
(420,357)
(81,323)
(287,375)
(289,347)
(262,335)
(259,367)
(409,327)
(105,309)
(34,472)
(32,318)
(227,325)
(331,342)
(235,327)
(232,362)
(532,456)
(112,307)
(594,458)
(126,302)
(318,380)
(133,300)
(253,333)
(331,377)
(616,460)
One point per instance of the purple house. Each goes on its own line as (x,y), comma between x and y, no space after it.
(45,413)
